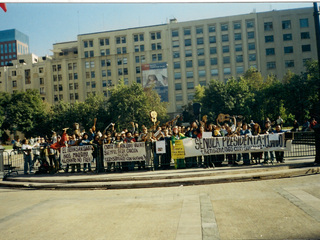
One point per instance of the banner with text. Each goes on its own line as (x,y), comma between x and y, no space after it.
(126,152)
(232,145)
(76,154)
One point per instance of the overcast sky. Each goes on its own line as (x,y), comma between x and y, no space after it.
(49,23)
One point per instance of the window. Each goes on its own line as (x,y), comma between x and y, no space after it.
(153,46)
(124,50)
(270,51)
(212,39)
(305,35)
(288,49)
(252,57)
(85,44)
(187,31)
(176,54)
(202,83)
(237,36)
(176,65)
(200,41)
(227,70)
(175,44)
(213,61)
(60,87)
(250,35)
(107,42)
(306,48)
(178,97)
(138,80)
(70,86)
(188,53)
(178,86)
(238,47)
(211,28)
(200,52)
(177,75)
(93,84)
(118,50)
(190,96)
(268,26)
(224,27)
(304,22)
(225,49)
(103,73)
(93,74)
(175,33)
(239,58)
(102,52)
(141,48)
(189,63)
(136,38)
(287,37)
(225,38)
(120,71)
(154,57)
(119,61)
(226,59)
(237,25)
(250,24)
(107,51)
(90,43)
(213,50)
(289,63)
(187,42)
(108,62)
(251,46)
(202,73)
(286,24)
(190,74)
(201,62)
(92,64)
(158,46)
(109,73)
(70,76)
(271,65)
(137,59)
(240,69)
(190,85)
(214,72)
(199,30)
(138,70)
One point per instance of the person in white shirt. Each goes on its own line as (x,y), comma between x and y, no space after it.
(26,149)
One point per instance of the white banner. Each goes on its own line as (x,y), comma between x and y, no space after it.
(76,154)
(126,152)
(233,145)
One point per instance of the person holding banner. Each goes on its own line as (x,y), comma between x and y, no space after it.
(231,157)
(178,163)
(279,154)
(267,130)
(245,132)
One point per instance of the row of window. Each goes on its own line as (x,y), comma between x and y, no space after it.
(288,49)
(212,28)
(122,39)
(286,24)
(287,37)
(7,48)
(287,63)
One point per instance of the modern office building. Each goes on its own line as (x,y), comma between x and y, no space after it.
(176,56)
(12,43)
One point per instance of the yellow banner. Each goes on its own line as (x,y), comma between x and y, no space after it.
(177,152)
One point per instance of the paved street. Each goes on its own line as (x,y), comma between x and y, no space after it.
(270,209)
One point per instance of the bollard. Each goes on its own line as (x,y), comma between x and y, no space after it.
(1,162)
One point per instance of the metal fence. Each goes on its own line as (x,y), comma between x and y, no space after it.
(303,145)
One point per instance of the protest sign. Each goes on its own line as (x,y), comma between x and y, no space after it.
(126,152)
(177,152)
(161,147)
(76,154)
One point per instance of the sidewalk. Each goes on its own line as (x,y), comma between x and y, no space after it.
(164,178)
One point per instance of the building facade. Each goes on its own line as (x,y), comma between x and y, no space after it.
(12,43)
(192,52)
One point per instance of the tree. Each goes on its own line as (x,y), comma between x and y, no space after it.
(133,104)
(26,111)
(216,100)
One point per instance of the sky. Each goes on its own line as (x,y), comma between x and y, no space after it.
(50,23)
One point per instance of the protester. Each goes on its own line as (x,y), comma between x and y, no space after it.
(26,149)
(279,154)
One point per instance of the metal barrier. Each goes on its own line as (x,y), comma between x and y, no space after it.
(303,145)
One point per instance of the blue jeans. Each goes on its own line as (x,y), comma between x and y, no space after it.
(27,163)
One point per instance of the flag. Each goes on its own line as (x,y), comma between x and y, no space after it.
(3,6)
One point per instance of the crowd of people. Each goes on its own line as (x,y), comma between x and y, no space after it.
(45,151)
